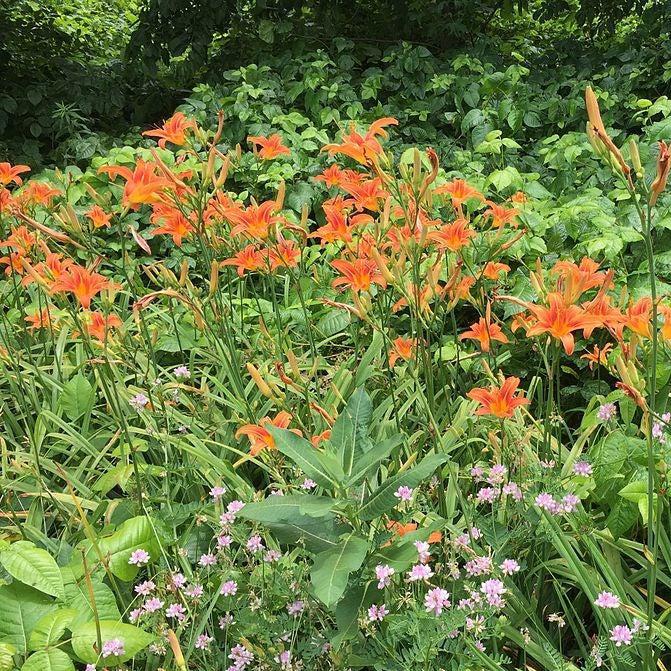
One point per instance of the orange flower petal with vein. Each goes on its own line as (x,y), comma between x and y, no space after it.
(500,401)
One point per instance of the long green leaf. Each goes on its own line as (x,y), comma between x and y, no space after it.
(331,570)
(304,455)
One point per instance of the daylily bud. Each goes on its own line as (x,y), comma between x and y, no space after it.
(214,277)
(663,165)
(382,266)
(259,381)
(598,129)
(176,650)
(635,157)
(183,273)
(279,201)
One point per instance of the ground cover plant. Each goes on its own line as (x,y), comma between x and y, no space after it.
(236,437)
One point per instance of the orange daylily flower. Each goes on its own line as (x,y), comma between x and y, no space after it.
(247,259)
(459,287)
(143,185)
(320,438)
(493,270)
(20,239)
(38,193)
(10,173)
(576,279)
(99,218)
(83,283)
(403,349)
(220,207)
(367,195)
(7,202)
(271,147)
(358,275)
(256,220)
(500,215)
(40,320)
(172,222)
(484,332)
(335,176)
(459,191)
(286,254)
(559,320)
(98,324)
(519,198)
(13,263)
(173,130)
(363,149)
(399,529)
(336,228)
(259,437)
(498,401)
(598,356)
(50,269)
(637,318)
(605,315)
(452,236)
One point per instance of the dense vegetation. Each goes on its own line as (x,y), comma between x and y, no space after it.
(325,350)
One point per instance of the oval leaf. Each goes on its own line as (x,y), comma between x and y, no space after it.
(33,566)
(49,660)
(85,641)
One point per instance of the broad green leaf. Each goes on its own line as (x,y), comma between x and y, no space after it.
(331,570)
(348,609)
(134,534)
(304,455)
(21,607)
(77,396)
(85,641)
(621,518)
(51,628)
(283,508)
(33,566)
(7,652)
(317,533)
(78,598)
(349,436)
(53,659)
(383,499)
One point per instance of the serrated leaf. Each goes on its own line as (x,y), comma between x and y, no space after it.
(85,641)
(50,628)
(383,499)
(54,659)
(332,568)
(33,566)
